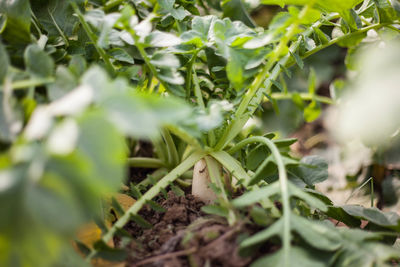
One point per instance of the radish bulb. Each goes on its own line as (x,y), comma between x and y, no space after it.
(201,183)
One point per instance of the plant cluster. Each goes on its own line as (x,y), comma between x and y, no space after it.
(83,81)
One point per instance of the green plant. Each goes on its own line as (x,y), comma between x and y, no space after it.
(82,79)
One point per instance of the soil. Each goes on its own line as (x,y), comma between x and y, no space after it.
(184,236)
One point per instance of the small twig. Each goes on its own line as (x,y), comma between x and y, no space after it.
(166,256)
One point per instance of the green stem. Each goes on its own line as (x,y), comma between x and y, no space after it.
(171,148)
(216,176)
(30,83)
(160,149)
(141,162)
(241,118)
(304,96)
(372,192)
(197,89)
(63,36)
(93,38)
(150,194)
(283,181)
(111,4)
(336,40)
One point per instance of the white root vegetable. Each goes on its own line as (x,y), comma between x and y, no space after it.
(201,183)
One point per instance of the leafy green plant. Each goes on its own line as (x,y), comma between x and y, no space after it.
(83,80)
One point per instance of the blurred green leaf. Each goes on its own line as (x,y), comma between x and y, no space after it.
(235,10)
(312,170)
(38,62)
(18,15)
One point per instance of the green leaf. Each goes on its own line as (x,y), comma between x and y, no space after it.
(121,55)
(316,233)
(340,215)
(165,60)
(143,115)
(108,253)
(311,200)
(162,39)
(273,230)
(312,170)
(360,249)
(38,62)
(256,195)
(215,210)
(235,10)
(55,16)
(167,8)
(235,71)
(64,83)
(105,150)
(155,206)
(18,14)
(141,221)
(386,11)
(298,257)
(328,5)
(312,111)
(374,215)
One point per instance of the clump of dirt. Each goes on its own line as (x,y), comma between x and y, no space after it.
(184,236)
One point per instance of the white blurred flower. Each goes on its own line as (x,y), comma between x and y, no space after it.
(371,110)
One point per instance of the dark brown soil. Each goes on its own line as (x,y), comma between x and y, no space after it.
(184,236)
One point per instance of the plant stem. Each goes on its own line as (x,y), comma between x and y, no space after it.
(197,89)
(304,96)
(111,4)
(30,83)
(372,192)
(240,119)
(216,176)
(93,38)
(160,149)
(150,194)
(171,148)
(283,181)
(141,162)
(336,40)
